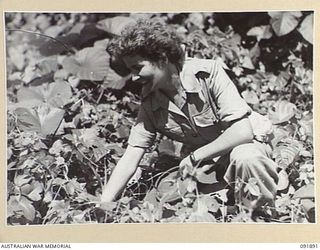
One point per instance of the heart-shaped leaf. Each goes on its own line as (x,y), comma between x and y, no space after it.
(21,180)
(17,57)
(88,64)
(49,47)
(89,137)
(284,22)
(283,182)
(205,178)
(54,31)
(306,28)
(56,94)
(222,195)
(21,205)
(197,19)
(306,125)
(252,187)
(33,190)
(247,62)
(282,111)
(250,96)
(261,125)
(114,81)
(44,120)
(281,80)
(77,28)
(261,32)
(115,25)
(168,184)
(306,191)
(287,152)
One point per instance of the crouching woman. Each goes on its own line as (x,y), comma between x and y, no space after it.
(192,101)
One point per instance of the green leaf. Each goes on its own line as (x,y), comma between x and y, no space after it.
(21,206)
(205,178)
(201,213)
(282,111)
(222,195)
(55,30)
(123,132)
(90,137)
(167,147)
(115,25)
(304,192)
(37,190)
(168,184)
(167,189)
(211,203)
(21,180)
(114,81)
(252,187)
(47,65)
(306,125)
(284,22)
(49,47)
(261,32)
(286,152)
(77,28)
(56,94)
(283,182)
(250,96)
(306,28)
(88,64)
(44,120)
(17,57)
(119,151)
(197,19)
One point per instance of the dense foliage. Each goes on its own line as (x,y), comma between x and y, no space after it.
(70,108)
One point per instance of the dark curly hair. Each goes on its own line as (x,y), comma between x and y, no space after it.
(150,39)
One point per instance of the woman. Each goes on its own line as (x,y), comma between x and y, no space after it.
(192,101)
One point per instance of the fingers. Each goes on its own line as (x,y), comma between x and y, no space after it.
(186,167)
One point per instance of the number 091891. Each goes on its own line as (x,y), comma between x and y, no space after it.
(309,245)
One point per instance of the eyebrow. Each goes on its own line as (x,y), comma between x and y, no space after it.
(135,66)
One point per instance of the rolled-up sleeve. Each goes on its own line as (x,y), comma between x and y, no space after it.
(143,133)
(231,106)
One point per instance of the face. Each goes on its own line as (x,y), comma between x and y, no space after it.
(146,72)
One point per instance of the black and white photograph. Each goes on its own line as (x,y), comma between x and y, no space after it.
(159,117)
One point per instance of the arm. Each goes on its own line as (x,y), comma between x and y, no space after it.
(239,132)
(125,168)
(232,112)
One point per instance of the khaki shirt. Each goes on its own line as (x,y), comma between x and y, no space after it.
(191,119)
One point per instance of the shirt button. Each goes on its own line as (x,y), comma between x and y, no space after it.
(194,135)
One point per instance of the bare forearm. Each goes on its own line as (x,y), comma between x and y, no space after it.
(122,173)
(238,133)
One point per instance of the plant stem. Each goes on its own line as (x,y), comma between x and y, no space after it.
(92,168)
(40,34)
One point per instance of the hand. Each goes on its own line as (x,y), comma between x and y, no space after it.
(186,167)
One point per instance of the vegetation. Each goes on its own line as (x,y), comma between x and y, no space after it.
(70,109)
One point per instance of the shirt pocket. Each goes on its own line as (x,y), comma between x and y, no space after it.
(205,118)
(167,125)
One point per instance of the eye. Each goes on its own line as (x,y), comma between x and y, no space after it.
(136,68)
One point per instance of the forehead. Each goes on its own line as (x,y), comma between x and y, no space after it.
(132,60)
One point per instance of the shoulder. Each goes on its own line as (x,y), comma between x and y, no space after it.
(195,69)
(195,66)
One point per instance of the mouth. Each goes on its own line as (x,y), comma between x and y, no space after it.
(139,80)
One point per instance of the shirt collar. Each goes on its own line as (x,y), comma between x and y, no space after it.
(189,82)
